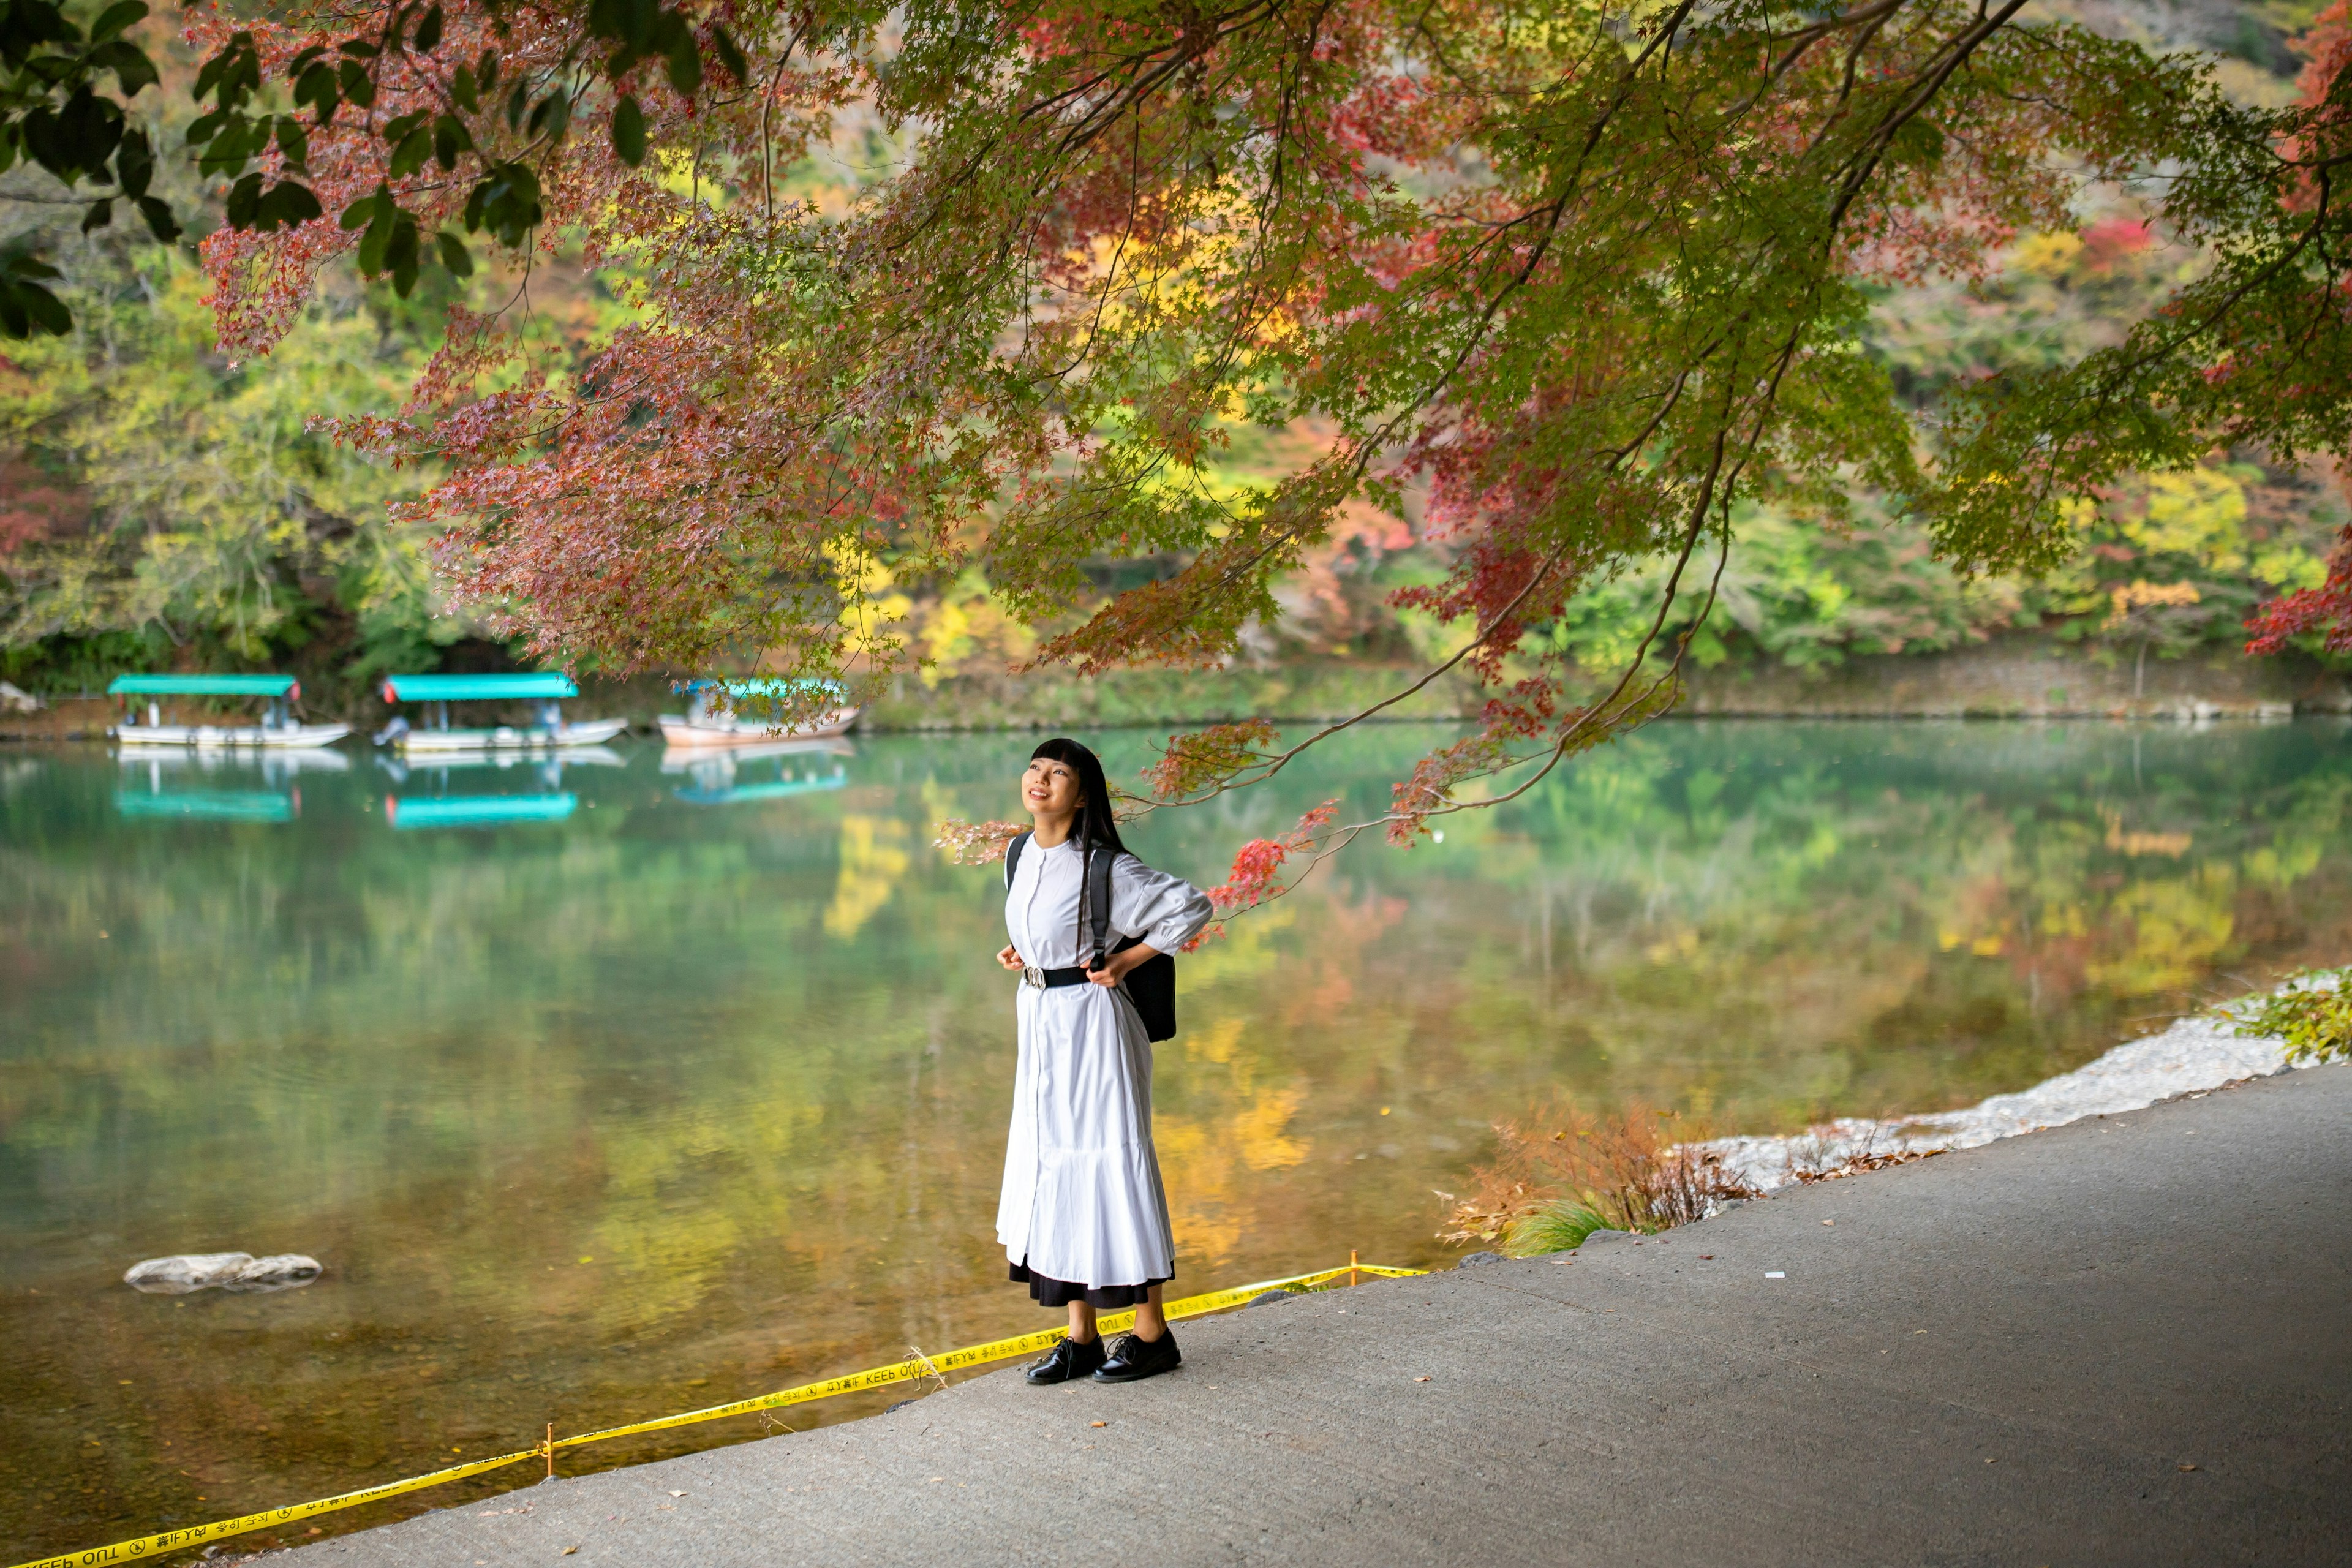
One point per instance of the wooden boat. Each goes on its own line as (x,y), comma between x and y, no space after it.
(277,730)
(710,719)
(547,732)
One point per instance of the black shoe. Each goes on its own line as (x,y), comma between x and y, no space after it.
(1065,1361)
(1133,1357)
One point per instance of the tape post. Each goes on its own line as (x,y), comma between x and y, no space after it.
(169,1541)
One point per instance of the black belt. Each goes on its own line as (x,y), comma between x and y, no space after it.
(1047,979)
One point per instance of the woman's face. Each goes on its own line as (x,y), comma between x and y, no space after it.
(1051,788)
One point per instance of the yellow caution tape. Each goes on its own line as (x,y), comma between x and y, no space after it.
(874,1377)
(971,1355)
(176,1540)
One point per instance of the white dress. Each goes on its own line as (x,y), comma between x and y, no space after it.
(1082,1200)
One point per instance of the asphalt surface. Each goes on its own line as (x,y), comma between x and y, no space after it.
(2128,1340)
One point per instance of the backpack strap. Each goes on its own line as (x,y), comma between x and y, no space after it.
(1013,855)
(1094,901)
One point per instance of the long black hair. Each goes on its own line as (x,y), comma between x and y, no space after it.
(1095,826)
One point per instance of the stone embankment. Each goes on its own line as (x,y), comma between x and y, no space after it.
(2020,677)
(2016,678)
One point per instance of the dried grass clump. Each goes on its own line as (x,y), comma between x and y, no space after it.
(1564,1174)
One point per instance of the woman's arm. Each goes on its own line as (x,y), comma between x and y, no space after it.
(1114,968)
(1166,911)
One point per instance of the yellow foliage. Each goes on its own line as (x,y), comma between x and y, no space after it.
(2287,568)
(873,859)
(2199,513)
(2141,595)
(2047,254)
(2174,845)
(2180,928)
(965,623)
(1258,1132)
(1217,1043)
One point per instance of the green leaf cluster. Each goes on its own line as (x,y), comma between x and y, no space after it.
(2310,1015)
(195,513)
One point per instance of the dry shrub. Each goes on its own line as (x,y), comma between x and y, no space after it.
(1563,1175)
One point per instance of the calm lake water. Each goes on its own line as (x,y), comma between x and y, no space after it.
(626,1091)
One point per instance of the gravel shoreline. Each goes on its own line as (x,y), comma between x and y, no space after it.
(2194,1056)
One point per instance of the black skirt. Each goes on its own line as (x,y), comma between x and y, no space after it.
(1048,1292)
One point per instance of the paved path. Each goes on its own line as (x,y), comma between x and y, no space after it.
(2124,1341)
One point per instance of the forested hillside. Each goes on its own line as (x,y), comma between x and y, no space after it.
(163,506)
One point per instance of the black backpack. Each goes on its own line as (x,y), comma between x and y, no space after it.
(1152,985)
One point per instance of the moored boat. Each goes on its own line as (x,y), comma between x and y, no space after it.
(711,718)
(278,729)
(546,731)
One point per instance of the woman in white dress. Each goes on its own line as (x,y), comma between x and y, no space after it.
(1084,1218)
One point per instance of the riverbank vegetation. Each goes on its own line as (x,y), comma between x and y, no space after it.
(2310,1012)
(1563,1173)
(899,341)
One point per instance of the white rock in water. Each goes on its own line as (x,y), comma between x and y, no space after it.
(184,1272)
(279,1271)
(13,701)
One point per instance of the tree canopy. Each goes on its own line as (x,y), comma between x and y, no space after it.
(1566,282)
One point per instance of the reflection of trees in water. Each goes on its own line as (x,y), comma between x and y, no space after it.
(752,1060)
(1777,921)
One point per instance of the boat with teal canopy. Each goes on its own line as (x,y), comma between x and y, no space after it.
(758,710)
(278,729)
(545,730)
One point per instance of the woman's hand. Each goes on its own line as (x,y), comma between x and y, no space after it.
(1010,960)
(1115,968)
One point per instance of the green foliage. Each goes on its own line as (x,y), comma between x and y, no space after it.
(58,114)
(177,506)
(2311,1015)
(1799,593)
(1559,1225)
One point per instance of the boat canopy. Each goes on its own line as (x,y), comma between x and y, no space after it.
(477,687)
(205,686)
(764,686)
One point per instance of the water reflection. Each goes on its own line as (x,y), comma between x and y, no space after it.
(732,777)
(654,1104)
(190,784)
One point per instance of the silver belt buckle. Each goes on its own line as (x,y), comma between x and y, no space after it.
(1034,976)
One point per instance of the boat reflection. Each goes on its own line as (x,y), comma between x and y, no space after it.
(438,808)
(477,810)
(720,777)
(547,767)
(153,781)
